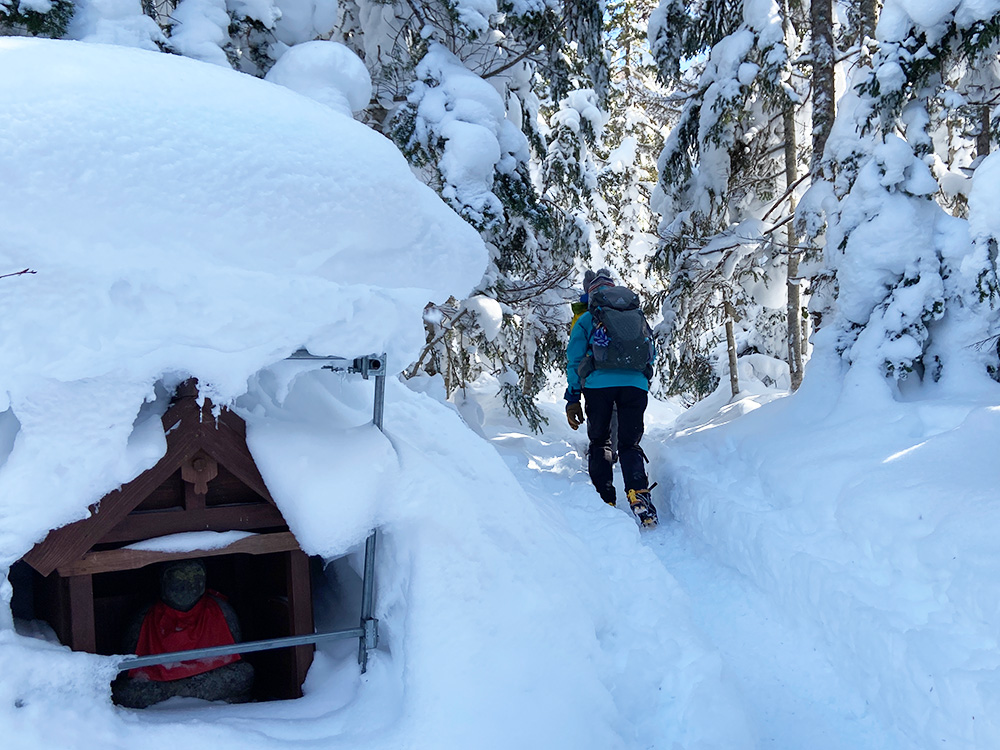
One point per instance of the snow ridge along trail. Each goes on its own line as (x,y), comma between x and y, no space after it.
(775,686)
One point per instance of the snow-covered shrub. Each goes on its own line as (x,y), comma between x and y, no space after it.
(454,125)
(909,279)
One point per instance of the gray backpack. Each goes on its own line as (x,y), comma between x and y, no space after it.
(622,338)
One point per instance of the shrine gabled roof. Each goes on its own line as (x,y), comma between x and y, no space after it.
(191,430)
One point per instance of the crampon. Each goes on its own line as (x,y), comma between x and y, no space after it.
(642,507)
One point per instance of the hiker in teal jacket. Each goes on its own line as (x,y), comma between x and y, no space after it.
(628,390)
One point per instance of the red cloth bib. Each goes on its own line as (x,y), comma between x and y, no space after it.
(165,629)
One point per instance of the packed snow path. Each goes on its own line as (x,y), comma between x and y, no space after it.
(788,684)
(793,696)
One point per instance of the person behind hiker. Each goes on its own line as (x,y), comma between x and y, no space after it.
(603,390)
(578,308)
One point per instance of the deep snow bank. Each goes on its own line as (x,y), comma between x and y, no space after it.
(877,520)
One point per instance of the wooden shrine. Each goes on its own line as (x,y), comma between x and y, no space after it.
(87,582)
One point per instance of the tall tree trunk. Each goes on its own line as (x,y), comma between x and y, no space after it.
(792,281)
(734,372)
(824,90)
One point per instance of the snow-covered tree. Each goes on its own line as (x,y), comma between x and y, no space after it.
(908,294)
(720,175)
(456,129)
(633,136)
(526,176)
(569,173)
(248,35)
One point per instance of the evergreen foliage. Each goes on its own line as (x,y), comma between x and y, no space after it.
(904,141)
(684,30)
(18,16)
(720,173)
(624,223)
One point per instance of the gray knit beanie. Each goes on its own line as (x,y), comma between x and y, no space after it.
(593,281)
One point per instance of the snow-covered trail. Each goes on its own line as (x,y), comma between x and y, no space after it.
(789,687)
(791,694)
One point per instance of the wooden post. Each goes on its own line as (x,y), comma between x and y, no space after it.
(82,632)
(300,613)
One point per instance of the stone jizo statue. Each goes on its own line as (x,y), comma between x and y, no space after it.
(187,616)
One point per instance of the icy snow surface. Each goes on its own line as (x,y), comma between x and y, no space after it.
(837,548)
(783,686)
(872,520)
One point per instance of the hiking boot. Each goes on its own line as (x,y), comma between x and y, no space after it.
(642,507)
(608,496)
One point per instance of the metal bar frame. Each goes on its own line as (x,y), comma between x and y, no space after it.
(132,662)
(372,365)
(369,365)
(368,623)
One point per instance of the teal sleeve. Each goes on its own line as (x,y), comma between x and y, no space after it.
(576,350)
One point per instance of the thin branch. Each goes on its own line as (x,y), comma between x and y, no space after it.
(516,294)
(781,198)
(16,273)
(779,225)
(447,326)
(529,50)
(417,13)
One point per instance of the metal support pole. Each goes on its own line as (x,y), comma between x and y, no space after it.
(372,364)
(369,625)
(379,397)
(247,647)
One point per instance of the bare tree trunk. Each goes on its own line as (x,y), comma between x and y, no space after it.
(824,90)
(734,374)
(983,138)
(792,281)
(869,17)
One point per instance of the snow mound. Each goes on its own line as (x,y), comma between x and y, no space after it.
(220,187)
(327,72)
(184,220)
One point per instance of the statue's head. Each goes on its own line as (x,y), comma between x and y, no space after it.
(182,584)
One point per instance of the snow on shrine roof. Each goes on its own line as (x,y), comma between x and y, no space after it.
(183,220)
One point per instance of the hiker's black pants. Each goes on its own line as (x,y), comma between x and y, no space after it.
(599,404)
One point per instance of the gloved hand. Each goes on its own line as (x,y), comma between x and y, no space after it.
(574,414)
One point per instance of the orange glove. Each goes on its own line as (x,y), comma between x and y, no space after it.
(574,414)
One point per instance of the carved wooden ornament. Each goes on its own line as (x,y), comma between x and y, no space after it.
(199,471)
